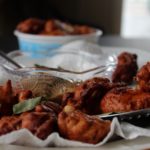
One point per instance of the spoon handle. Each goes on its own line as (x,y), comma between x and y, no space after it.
(3,55)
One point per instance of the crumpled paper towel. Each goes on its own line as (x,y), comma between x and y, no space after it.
(25,137)
(81,45)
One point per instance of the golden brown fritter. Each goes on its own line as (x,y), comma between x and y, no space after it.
(7,98)
(88,95)
(126,68)
(143,78)
(41,124)
(23,95)
(52,27)
(82,29)
(124,100)
(9,124)
(31,25)
(75,125)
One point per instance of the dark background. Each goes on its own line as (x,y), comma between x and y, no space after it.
(104,14)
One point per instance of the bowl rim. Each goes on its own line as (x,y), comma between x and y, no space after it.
(19,34)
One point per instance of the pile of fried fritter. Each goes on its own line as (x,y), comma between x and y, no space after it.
(74,118)
(52,27)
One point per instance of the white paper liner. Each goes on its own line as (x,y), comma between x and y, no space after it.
(26,138)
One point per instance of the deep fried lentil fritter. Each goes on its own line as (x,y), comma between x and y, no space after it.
(143,78)
(82,29)
(7,98)
(75,125)
(88,95)
(52,27)
(41,124)
(31,25)
(23,95)
(124,100)
(9,124)
(126,68)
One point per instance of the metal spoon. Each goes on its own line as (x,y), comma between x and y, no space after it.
(4,56)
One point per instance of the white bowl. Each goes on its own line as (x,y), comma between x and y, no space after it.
(41,44)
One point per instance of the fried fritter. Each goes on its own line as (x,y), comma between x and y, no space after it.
(23,95)
(143,78)
(31,25)
(52,27)
(126,68)
(9,124)
(88,94)
(124,100)
(7,98)
(41,124)
(82,29)
(75,125)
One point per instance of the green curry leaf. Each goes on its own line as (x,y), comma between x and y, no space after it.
(26,105)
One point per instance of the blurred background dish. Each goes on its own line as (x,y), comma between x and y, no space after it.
(39,44)
(40,36)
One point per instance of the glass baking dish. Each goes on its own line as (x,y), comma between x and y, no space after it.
(78,61)
(75,61)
